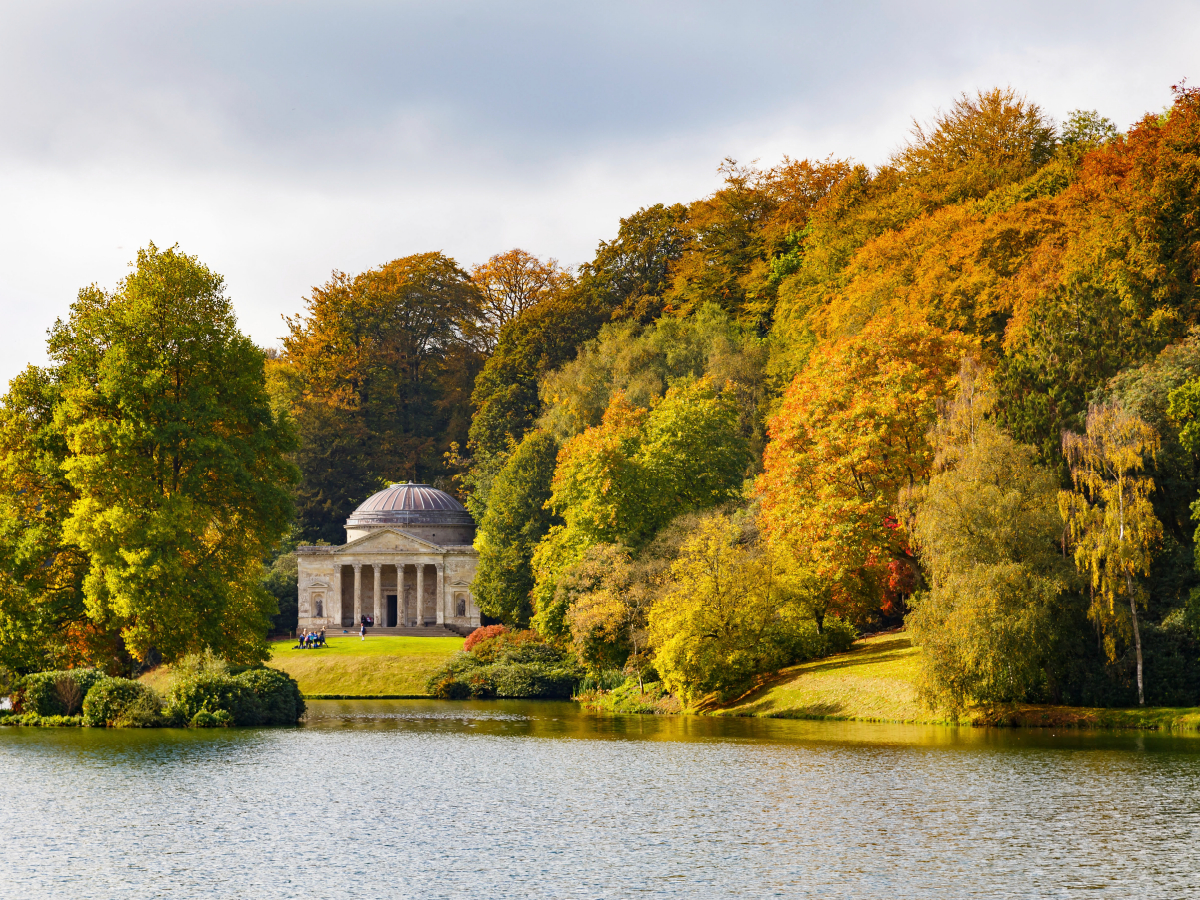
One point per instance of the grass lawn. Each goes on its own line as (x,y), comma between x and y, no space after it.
(876,681)
(381,665)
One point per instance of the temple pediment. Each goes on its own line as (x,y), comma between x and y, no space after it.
(389,540)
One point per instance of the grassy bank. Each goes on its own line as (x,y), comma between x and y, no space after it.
(380,666)
(875,681)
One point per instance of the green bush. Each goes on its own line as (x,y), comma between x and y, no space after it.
(211,719)
(109,698)
(57,693)
(212,692)
(507,668)
(32,718)
(257,696)
(279,699)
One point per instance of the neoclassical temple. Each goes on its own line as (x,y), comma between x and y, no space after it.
(408,561)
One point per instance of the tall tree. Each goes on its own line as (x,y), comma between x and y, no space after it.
(375,357)
(43,618)
(625,280)
(1110,516)
(516,521)
(851,432)
(178,464)
(986,528)
(510,283)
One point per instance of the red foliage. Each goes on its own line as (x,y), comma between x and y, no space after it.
(483,634)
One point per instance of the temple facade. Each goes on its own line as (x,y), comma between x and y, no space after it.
(408,562)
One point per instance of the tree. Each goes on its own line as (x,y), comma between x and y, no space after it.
(730,610)
(625,280)
(993,138)
(631,273)
(607,609)
(1110,517)
(178,464)
(517,519)
(378,360)
(511,283)
(642,362)
(622,481)
(43,619)
(852,430)
(986,528)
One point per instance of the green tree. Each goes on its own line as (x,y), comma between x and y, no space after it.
(381,361)
(1110,516)
(986,529)
(625,479)
(178,464)
(625,280)
(731,609)
(43,620)
(516,521)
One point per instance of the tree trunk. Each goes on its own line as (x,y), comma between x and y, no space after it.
(1137,638)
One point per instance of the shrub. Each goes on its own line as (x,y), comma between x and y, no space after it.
(56,693)
(279,699)
(109,698)
(482,634)
(212,692)
(144,712)
(509,664)
(211,719)
(257,696)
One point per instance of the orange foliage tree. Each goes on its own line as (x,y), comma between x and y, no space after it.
(850,433)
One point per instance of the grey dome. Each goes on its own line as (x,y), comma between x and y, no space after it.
(410,504)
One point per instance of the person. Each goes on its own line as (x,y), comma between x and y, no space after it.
(362,631)
(321,637)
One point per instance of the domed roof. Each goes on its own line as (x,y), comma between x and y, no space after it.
(409,504)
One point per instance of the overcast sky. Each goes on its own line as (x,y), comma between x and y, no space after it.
(280,141)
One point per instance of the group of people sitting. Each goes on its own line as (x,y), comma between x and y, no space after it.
(311,639)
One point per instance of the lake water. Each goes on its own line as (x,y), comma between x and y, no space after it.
(435,799)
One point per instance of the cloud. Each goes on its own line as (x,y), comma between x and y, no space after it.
(281,140)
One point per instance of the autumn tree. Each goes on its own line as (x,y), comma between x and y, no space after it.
(1110,517)
(609,599)
(986,527)
(995,137)
(851,432)
(624,280)
(177,464)
(378,361)
(510,283)
(731,609)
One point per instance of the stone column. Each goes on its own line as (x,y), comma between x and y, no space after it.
(420,594)
(378,594)
(336,600)
(441,593)
(357,592)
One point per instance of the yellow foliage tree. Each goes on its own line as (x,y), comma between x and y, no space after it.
(1110,517)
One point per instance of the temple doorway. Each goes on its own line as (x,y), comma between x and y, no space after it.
(391,611)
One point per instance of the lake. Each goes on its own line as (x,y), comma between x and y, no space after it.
(429,799)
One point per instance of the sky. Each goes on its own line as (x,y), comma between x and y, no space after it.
(280,141)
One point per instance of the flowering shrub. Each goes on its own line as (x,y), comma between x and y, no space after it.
(506,664)
(482,634)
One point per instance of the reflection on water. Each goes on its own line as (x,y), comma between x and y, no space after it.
(515,799)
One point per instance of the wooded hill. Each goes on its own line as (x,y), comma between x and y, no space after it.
(750,425)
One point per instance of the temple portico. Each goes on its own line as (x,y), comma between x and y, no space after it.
(395,567)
